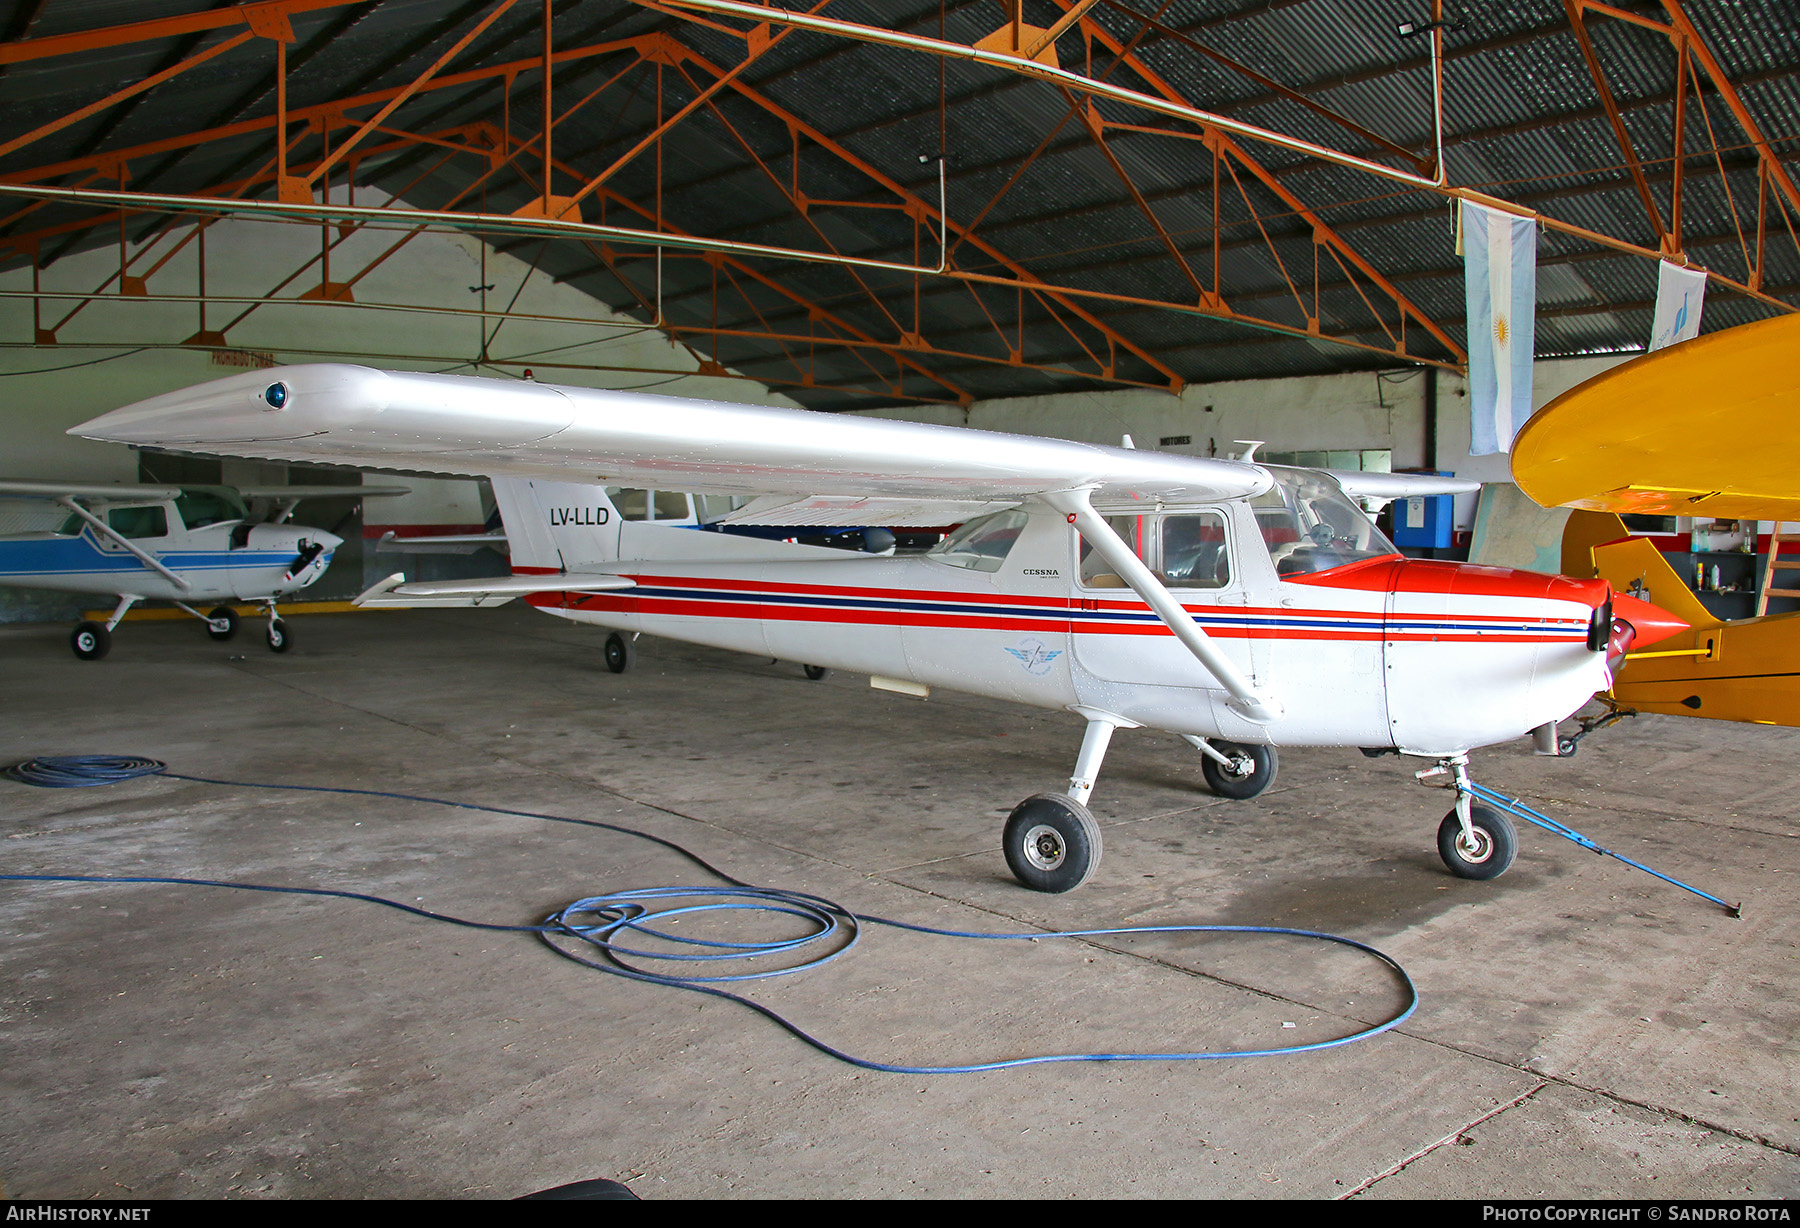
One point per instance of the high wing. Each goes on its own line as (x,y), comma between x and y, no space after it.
(475,426)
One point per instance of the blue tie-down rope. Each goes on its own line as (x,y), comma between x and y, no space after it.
(604,924)
(1520,810)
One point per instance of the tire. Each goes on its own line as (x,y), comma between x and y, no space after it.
(1052,843)
(279,637)
(1245,783)
(224,614)
(1566,747)
(91,641)
(1498,840)
(818,673)
(619,653)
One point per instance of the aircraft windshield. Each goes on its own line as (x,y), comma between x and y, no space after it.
(203,505)
(1309,525)
(983,543)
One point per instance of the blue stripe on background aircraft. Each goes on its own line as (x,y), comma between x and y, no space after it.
(188,545)
(1242,607)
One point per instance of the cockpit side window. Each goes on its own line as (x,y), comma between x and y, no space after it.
(1193,552)
(1185,550)
(983,543)
(138,521)
(1138,532)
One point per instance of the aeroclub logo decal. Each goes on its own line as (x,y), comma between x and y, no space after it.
(1034,656)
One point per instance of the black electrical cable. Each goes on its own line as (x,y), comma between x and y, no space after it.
(604,922)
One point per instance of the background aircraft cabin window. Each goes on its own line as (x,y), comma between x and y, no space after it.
(632,504)
(198,508)
(717,507)
(138,521)
(671,505)
(1309,525)
(983,543)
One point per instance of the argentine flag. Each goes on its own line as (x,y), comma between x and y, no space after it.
(1680,297)
(1500,272)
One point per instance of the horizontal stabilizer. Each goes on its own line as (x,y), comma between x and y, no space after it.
(395,593)
(455,543)
(1377,490)
(851,511)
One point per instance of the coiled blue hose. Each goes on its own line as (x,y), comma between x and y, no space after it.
(81,771)
(603,924)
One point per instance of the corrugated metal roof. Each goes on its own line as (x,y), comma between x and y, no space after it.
(1524,121)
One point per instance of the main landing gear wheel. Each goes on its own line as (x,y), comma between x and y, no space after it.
(620,653)
(1052,843)
(223,614)
(818,673)
(1495,845)
(1252,770)
(280,638)
(91,641)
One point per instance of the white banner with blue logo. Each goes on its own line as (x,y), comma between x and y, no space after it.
(1500,272)
(1680,294)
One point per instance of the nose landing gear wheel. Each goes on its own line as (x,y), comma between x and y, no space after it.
(280,638)
(1252,770)
(619,653)
(1492,851)
(818,673)
(91,641)
(226,616)
(1052,843)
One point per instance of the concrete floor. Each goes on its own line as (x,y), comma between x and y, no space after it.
(1585,1030)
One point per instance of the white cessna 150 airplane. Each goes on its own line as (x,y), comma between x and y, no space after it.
(189,545)
(1243,607)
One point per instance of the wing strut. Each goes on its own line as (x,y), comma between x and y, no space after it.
(1246,700)
(144,556)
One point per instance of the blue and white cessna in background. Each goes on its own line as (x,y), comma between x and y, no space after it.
(189,545)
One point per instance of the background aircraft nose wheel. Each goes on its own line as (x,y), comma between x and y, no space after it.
(1252,770)
(818,673)
(1052,843)
(91,641)
(1496,844)
(223,614)
(620,653)
(280,638)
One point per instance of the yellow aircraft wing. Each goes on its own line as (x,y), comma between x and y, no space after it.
(1709,427)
